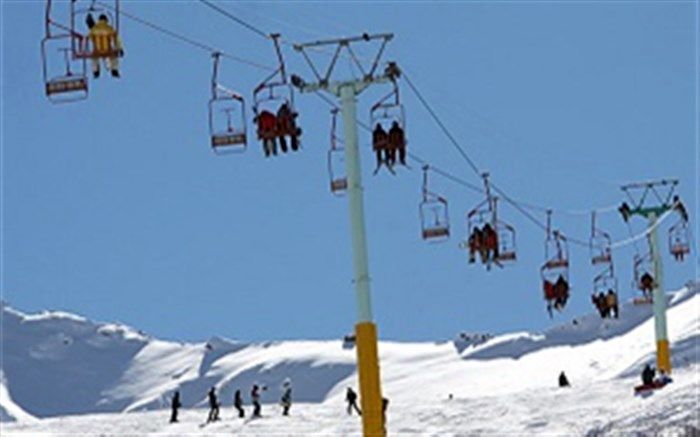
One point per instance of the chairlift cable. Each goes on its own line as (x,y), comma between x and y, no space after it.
(234,18)
(187,40)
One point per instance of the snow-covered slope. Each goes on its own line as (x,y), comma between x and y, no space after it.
(57,364)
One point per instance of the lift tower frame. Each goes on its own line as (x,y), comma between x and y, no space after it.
(661,202)
(347,91)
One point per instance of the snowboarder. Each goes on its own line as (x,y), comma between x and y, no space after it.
(255,397)
(174,405)
(351,399)
(238,404)
(648,375)
(563,380)
(286,399)
(611,304)
(213,406)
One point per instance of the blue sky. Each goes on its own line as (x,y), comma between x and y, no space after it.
(116,208)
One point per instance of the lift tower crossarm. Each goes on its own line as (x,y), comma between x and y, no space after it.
(373,423)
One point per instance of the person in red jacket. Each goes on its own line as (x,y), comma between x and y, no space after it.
(490,243)
(267,131)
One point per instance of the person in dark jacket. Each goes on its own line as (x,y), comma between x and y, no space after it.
(213,406)
(563,380)
(286,399)
(238,404)
(380,145)
(397,143)
(255,397)
(648,375)
(174,406)
(351,399)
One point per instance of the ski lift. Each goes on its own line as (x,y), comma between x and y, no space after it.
(605,281)
(644,280)
(384,115)
(64,78)
(224,105)
(555,270)
(270,96)
(79,17)
(679,240)
(599,244)
(336,159)
(388,110)
(67,85)
(486,212)
(434,217)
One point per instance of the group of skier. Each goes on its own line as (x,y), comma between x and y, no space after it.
(606,304)
(255,394)
(483,241)
(389,146)
(272,128)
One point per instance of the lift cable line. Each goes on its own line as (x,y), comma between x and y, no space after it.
(192,42)
(234,18)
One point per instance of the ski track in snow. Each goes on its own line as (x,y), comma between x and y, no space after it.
(65,375)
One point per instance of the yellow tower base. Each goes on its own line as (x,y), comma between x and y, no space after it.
(368,369)
(663,356)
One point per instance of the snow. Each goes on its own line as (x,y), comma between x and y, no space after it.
(77,375)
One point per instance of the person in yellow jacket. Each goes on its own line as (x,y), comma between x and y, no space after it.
(105,43)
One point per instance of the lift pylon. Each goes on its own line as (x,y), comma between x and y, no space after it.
(347,91)
(651,200)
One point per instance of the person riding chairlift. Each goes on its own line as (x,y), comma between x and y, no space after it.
(561,292)
(646,283)
(397,142)
(286,125)
(380,145)
(267,128)
(475,243)
(490,243)
(106,45)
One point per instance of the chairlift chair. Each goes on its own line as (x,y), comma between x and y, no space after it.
(79,11)
(556,266)
(605,281)
(69,84)
(64,77)
(434,216)
(336,159)
(387,111)
(679,240)
(273,92)
(224,106)
(643,263)
(599,244)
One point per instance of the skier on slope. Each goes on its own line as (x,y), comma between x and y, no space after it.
(255,397)
(213,406)
(648,375)
(286,399)
(351,399)
(174,405)
(563,380)
(238,403)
